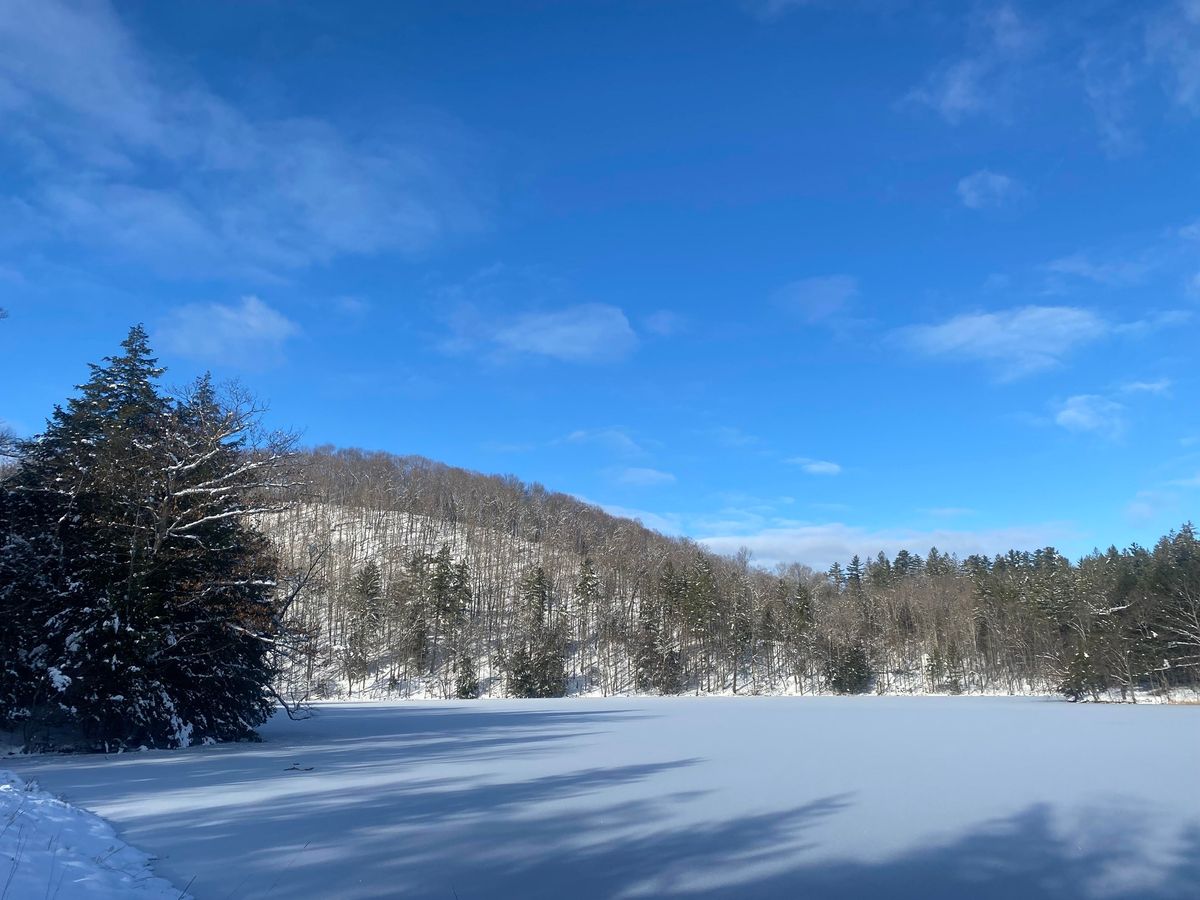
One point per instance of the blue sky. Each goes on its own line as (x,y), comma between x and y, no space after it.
(815,278)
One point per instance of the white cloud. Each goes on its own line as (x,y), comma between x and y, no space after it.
(142,160)
(1109,79)
(614,439)
(1114,273)
(351,307)
(1171,41)
(643,477)
(589,333)
(956,90)
(732,436)
(1167,318)
(820,545)
(988,190)
(816,466)
(249,334)
(665,523)
(1015,342)
(981,79)
(817,299)
(947,512)
(1161,386)
(1150,506)
(1091,413)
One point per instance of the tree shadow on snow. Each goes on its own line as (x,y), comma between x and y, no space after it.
(1022,857)
(410,803)
(334,737)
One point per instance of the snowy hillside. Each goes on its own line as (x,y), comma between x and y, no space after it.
(858,797)
(422,583)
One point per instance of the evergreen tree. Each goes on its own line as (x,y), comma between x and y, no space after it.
(589,586)
(837,575)
(848,668)
(537,668)
(159,613)
(364,601)
(854,573)
(466,685)
(657,666)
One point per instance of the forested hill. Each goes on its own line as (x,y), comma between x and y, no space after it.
(170,570)
(436,581)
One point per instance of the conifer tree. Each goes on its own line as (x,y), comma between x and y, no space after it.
(537,667)
(159,614)
(467,680)
(364,601)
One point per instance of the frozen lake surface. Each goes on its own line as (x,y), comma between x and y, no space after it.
(744,797)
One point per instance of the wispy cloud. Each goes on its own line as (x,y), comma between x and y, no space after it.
(1156,321)
(664,323)
(615,439)
(638,476)
(1171,40)
(1192,482)
(1015,343)
(1109,78)
(947,512)
(818,299)
(588,333)
(1152,505)
(982,78)
(1160,386)
(986,189)
(732,436)
(141,159)
(1110,273)
(820,545)
(774,9)
(1091,413)
(350,307)
(815,466)
(665,523)
(249,334)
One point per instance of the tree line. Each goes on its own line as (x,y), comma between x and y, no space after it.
(171,571)
(482,584)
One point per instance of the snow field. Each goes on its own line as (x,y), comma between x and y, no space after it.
(818,797)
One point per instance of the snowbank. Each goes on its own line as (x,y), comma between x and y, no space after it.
(50,849)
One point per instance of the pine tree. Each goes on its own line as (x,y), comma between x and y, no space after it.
(364,601)
(161,610)
(467,680)
(537,667)
(837,575)
(854,573)
(848,668)
(588,587)
(657,666)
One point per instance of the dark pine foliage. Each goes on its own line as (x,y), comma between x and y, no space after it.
(143,604)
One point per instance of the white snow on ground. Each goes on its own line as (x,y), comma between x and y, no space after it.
(931,798)
(49,849)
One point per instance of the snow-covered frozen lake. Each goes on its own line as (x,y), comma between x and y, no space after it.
(681,797)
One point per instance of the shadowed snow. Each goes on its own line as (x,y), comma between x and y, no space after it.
(934,798)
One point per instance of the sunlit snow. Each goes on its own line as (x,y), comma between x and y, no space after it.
(694,797)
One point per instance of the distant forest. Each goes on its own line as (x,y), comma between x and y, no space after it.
(171,571)
(439,581)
